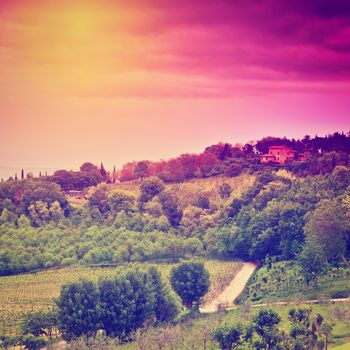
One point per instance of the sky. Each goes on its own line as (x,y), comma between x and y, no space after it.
(122,80)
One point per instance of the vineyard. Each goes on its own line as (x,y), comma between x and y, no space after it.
(24,293)
(284,280)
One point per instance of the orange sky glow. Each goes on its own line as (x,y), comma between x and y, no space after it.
(116,81)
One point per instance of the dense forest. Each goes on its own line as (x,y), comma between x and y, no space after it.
(222,203)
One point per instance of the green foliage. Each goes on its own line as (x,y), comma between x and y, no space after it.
(285,281)
(120,305)
(190,280)
(265,324)
(202,201)
(229,336)
(126,301)
(225,190)
(166,306)
(32,342)
(89,175)
(99,199)
(171,208)
(6,263)
(150,188)
(312,260)
(120,201)
(8,217)
(40,323)
(308,331)
(328,224)
(78,309)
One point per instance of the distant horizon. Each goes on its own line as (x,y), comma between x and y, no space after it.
(10,170)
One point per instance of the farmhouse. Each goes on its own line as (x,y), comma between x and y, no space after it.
(282,154)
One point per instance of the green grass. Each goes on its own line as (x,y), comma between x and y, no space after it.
(342,347)
(24,293)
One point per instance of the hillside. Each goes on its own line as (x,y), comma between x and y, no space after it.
(292,220)
(186,190)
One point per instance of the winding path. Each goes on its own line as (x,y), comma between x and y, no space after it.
(233,290)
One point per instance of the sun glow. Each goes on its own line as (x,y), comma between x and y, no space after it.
(69,48)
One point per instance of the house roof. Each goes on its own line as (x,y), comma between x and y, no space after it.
(282,146)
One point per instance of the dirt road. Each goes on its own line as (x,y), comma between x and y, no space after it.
(233,290)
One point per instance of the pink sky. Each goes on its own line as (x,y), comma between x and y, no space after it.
(115,81)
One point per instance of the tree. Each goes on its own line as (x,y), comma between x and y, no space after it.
(8,217)
(308,331)
(190,280)
(114,175)
(265,325)
(89,168)
(225,190)
(202,200)
(150,188)
(141,170)
(301,328)
(312,260)
(39,190)
(99,198)
(228,336)
(329,224)
(166,307)
(207,162)
(78,310)
(32,342)
(127,172)
(118,201)
(171,208)
(103,172)
(126,301)
(40,323)
(6,263)
(56,212)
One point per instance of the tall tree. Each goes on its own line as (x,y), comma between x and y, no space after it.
(103,172)
(114,175)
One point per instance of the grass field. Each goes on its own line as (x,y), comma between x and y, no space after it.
(21,294)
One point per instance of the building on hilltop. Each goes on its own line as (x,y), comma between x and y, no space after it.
(282,154)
